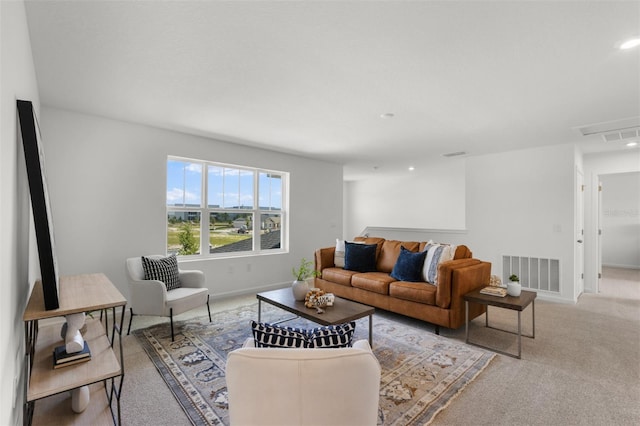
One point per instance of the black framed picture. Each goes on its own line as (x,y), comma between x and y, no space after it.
(34,160)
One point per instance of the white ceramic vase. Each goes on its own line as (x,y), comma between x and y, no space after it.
(80,398)
(300,290)
(514,288)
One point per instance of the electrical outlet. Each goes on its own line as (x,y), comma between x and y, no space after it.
(248,267)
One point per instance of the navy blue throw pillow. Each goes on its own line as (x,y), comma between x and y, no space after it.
(360,257)
(409,265)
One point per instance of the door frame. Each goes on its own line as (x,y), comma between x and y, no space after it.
(579,235)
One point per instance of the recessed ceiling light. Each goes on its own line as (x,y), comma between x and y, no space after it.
(631,43)
(634,143)
(411,168)
(387,115)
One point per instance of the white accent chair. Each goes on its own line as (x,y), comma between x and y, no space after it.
(150,297)
(277,386)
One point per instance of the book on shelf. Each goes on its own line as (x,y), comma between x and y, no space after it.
(61,357)
(494,291)
(74,362)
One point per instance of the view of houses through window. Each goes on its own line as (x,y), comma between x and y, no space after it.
(215,209)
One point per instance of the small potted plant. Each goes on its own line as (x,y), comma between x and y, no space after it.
(513,286)
(301,274)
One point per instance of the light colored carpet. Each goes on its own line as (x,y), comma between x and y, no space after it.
(583,368)
(421,372)
(620,282)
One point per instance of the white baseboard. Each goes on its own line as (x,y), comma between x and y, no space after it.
(252,290)
(552,297)
(614,265)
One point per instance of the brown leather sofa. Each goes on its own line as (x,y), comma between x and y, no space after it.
(440,304)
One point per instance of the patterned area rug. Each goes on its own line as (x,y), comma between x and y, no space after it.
(421,372)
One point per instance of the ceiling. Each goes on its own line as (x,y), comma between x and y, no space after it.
(313,78)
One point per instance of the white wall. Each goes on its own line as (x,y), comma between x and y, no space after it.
(595,166)
(621,220)
(17,81)
(107,181)
(432,197)
(517,203)
(520,203)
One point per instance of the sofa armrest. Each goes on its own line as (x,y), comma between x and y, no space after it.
(324,258)
(468,279)
(458,277)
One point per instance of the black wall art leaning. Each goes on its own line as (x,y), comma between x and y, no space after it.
(34,160)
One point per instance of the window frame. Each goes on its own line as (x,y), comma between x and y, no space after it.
(255,211)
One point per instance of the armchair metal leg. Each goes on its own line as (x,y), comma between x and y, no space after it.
(130,319)
(208,308)
(171,319)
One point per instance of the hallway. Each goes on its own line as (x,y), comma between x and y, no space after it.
(620,282)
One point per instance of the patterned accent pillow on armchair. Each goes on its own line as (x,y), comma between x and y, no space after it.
(163,269)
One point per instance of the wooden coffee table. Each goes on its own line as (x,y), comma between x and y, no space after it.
(518,303)
(342,311)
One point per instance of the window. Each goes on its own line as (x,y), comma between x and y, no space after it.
(217,209)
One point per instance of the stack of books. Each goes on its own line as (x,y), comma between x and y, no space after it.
(494,291)
(62,359)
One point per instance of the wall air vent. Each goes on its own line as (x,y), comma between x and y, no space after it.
(454,154)
(613,131)
(536,273)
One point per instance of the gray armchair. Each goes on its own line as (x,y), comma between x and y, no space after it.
(151,297)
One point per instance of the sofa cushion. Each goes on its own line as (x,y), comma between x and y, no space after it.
(338,275)
(390,252)
(378,282)
(409,265)
(359,257)
(415,292)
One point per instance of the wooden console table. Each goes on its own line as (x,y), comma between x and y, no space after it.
(78,293)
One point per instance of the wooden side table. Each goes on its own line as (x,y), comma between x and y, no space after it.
(519,304)
(77,293)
